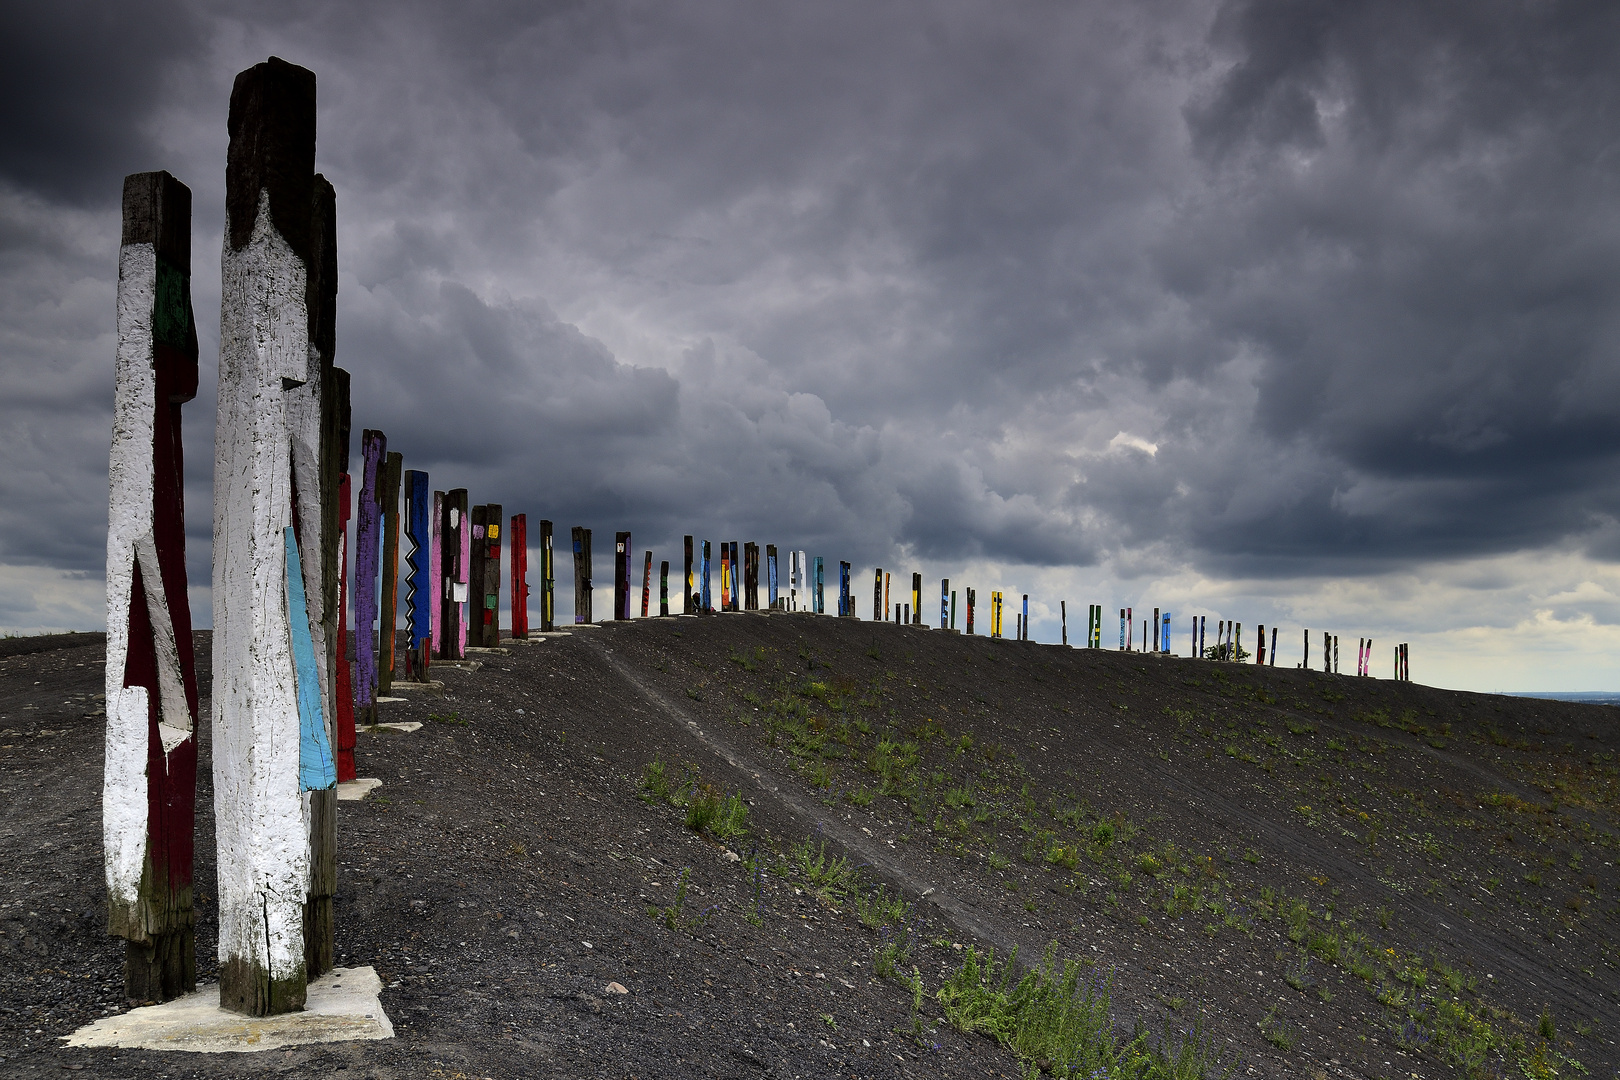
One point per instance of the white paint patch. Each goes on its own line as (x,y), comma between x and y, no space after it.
(263,841)
(342,1006)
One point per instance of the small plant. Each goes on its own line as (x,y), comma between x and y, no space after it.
(827,1018)
(1277,1032)
(877,908)
(1299,976)
(829,878)
(674,916)
(452,718)
(655,782)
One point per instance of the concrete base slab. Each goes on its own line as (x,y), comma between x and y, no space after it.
(551,633)
(458,665)
(433,684)
(355,790)
(402,725)
(342,1006)
(481,649)
(391,700)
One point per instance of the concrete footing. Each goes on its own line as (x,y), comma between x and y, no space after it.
(342,1006)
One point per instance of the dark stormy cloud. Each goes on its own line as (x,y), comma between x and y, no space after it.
(1297,312)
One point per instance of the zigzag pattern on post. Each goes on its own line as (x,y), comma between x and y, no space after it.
(418,584)
(150,772)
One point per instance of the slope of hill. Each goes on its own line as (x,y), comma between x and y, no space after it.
(792,840)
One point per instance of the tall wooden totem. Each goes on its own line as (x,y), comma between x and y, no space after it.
(520,576)
(150,773)
(484,611)
(548,580)
(418,574)
(455,547)
(276,476)
(582,574)
(387,608)
(367,561)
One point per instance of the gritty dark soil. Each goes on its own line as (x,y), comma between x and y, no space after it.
(1324,872)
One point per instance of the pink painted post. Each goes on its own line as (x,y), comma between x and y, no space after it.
(436,575)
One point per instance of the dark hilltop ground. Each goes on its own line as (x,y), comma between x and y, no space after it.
(794,839)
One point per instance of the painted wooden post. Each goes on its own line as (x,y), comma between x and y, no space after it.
(886,578)
(972,602)
(663,589)
(944,603)
(486,613)
(343,735)
(519,559)
(1327,651)
(1260,649)
(582,574)
(770,575)
(995,614)
(477,560)
(916,597)
(1155,632)
(271,742)
(150,767)
(846,602)
(1305,661)
(548,580)
(1273,646)
(621,575)
(704,604)
(389,616)
(453,527)
(751,576)
(646,586)
(1025,621)
(821,592)
(725,576)
(437,579)
(418,531)
(1063,619)
(689,604)
(736,577)
(1336,654)
(953,611)
(367,556)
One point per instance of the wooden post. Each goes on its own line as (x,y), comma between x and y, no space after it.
(916,597)
(454,532)
(821,606)
(646,586)
(704,596)
(751,576)
(437,581)
(663,589)
(1063,619)
(271,742)
(770,575)
(150,768)
(343,735)
(519,559)
(886,578)
(736,577)
(389,616)
(1305,661)
(367,556)
(418,578)
(953,611)
(1273,646)
(485,615)
(548,580)
(582,575)
(621,576)
(945,604)
(689,602)
(1024,622)
(478,518)
(879,612)
(972,597)
(1260,649)
(725,576)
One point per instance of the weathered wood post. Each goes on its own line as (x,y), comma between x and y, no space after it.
(437,578)
(705,597)
(273,769)
(646,586)
(821,590)
(388,615)
(1336,654)
(1327,651)
(663,589)
(621,575)
(477,558)
(916,597)
(846,602)
(945,604)
(486,615)
(689,603)
(454,529)
(150,770)
(750,576)
(736,577)
(770,575)
(725,576)
(519,539)
(1273,646)
(418,585)
(1024,621)
(548,580)
(343,734)
(878,612)
(1305,661)
(972,597)
(1063,619)
(886,582)
(995,614)
(1260,649)
(367,556)
(582,574)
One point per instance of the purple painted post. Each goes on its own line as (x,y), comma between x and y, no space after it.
(465,564)
(368,533)
(436,577)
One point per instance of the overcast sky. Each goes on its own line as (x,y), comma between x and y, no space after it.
(1302,313)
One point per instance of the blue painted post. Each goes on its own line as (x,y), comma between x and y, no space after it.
(770,575)
(821,607)
(1164,642)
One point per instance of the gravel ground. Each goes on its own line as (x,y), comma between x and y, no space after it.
(1261,826)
